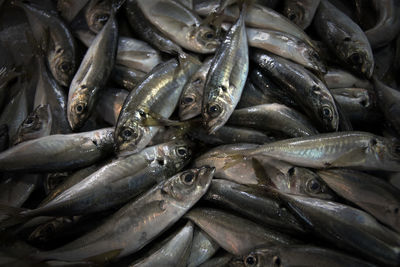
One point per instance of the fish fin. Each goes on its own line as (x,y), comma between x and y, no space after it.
(259,171)
(105,257)
(356,155)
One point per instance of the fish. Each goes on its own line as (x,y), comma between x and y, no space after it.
(154,99)
(360,150)
(92,74)
(306,89)
(110,104)
(235,234)
(226,77)
(37,124)
(57,41)
(300,255)
(345,38)
(255,203)
(138,222)
(180,24)
(191,98)
(376,196)
(58,152)
(173,251)
(300,12)
(203,248)
(342,225)
(388,101)
(275,118)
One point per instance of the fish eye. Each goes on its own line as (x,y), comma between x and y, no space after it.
(197,81)
(79,108)
(326,112)
(182,151)
(142,113)
(65,67)
(276,260)
(209,35)
(214,110)
(188,178)
(250,260)
(102,18)
(128,134)
(29,121)
(316,56)
(313,186)
(187,100)
(355,58)
(292,16)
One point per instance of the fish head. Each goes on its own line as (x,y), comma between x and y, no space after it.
(295,13)
(175,154)
(203,39)
(188,186)
(328,114)
(62,65)
(358,56)
(97,17)
(190,103)
(309,183)
(216,112)
(263,257)
(79,106)
(386,150)
(130,135)
(38,122)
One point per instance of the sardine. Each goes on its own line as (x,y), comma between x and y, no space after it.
(92,74)
(203,248)
(345,38)
(306,89)
(344,149)
(226,77)
(138,222)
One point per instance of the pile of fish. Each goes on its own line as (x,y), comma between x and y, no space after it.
(199,133)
